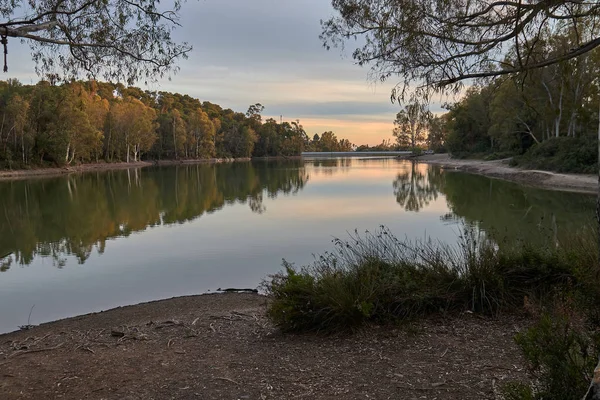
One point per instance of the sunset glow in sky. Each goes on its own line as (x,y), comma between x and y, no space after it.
(268,51)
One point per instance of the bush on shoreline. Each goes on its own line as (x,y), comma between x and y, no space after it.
(561,351)
(562,154)
(378,278)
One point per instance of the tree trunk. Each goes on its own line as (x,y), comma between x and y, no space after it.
(174,139)
(68,151)
(2,130)
(560,109)
(593,392)
(108,155)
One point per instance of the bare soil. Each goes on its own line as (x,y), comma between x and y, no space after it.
(223,347)
(500,169)
(46,172)
(102,166)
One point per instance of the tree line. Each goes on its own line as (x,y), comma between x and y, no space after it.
(545,118)
(82,122)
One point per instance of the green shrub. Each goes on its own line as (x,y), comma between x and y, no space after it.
(500,155)
(562,154)
(416,151)
(376,277)
(561,353)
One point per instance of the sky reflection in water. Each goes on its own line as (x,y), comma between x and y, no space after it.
(84,243)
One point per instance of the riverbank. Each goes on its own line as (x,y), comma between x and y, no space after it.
(71,169)
(500,169)
(224,347)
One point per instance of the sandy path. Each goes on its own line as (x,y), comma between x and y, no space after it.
(223,347)
(500,169)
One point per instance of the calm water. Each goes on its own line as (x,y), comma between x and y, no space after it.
(73,245)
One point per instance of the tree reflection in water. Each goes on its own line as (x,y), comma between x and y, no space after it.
(417,185)
(75,215)
(507,212)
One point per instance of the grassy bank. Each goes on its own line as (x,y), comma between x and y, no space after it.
(376,278)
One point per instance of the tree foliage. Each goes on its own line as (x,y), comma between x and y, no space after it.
(411,124)
(436,44)
(550,113)
(81,122)
(118,40)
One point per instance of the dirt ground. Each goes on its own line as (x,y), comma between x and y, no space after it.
(501,169)
(46,172)
(49,172)
(223,347)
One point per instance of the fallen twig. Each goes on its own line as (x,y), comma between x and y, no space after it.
(227,379)
(21,352)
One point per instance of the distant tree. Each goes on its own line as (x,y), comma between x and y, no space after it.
(345,145)
(328,142)
(436,135)
(134,123)
(16,124)
(411,124)
(202,134)
(178,132)
(254,112)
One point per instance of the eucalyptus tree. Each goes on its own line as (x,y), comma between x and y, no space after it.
(119,40)
(436,44)
(202,134)
(134,124)
(411,124)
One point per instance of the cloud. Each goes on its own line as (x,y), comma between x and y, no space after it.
(269,51)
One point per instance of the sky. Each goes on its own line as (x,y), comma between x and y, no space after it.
(269,52)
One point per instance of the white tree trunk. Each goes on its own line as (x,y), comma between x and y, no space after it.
(593,392)
(598,199)
(68,151)
(560,108)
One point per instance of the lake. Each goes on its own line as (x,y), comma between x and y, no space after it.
(76,244)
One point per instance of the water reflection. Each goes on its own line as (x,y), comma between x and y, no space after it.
(417,185)
(329,166)
(76,215)
(229,225)
(506,211)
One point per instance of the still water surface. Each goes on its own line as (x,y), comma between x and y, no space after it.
(90,242)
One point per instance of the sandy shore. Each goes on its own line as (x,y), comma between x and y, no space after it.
(500,169)
(497,169)
(224,347)
(48,172)
(43,172)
